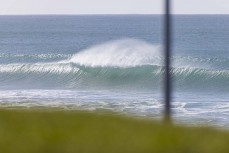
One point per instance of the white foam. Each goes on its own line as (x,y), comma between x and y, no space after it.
(119,53)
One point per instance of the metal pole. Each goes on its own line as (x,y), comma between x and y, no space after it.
(167,48)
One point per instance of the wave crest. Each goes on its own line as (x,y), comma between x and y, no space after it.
(120,53)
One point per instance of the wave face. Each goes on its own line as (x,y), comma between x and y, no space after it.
(126,63)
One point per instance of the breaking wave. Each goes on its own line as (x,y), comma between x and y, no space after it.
(118,64)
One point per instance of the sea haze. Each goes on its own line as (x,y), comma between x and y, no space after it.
(115,62)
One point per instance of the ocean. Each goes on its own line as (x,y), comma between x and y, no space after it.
(115,63)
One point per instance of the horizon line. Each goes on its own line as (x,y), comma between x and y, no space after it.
(90,14)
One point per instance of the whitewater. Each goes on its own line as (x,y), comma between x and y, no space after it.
(83,68)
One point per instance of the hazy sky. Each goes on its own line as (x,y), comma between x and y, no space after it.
(111,6)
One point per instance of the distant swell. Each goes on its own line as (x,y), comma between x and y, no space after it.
(119,64)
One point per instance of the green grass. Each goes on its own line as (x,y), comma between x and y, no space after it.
(40,131)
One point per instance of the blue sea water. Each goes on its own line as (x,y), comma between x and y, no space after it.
(115,62)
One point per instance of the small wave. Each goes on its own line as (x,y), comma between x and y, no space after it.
(201,62)
(31,58)
(44,68)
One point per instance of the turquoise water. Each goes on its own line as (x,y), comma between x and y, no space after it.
(115,62)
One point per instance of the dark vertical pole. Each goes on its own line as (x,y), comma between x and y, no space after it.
(167,48)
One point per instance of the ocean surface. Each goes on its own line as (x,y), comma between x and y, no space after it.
(115,62)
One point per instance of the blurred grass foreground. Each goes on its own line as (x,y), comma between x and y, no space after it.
(36,131)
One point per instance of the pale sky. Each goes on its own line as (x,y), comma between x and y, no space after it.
(8,7)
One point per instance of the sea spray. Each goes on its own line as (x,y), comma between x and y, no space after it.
(120,53)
